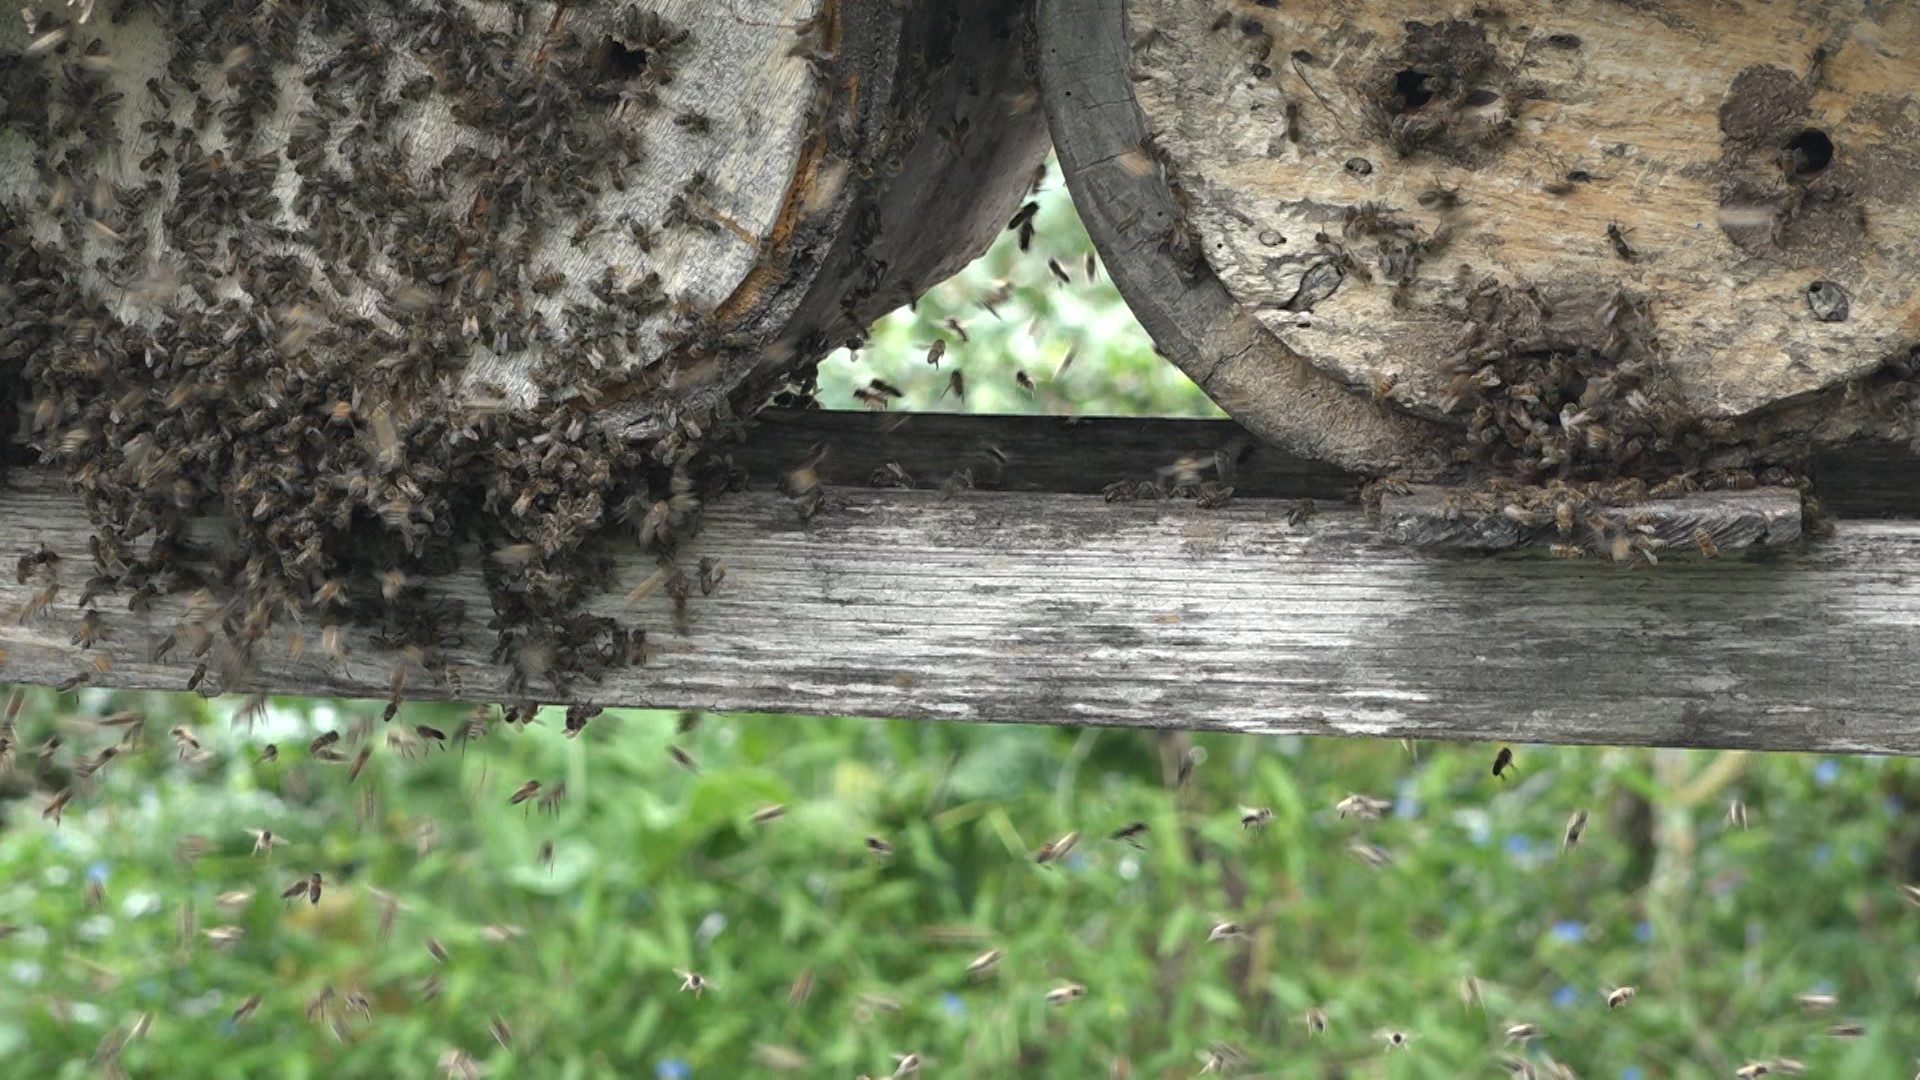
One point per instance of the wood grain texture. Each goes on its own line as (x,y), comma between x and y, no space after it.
(1672,120)
(1059,609)
(1435,517)
(1082,55)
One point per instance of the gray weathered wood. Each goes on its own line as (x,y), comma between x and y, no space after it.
(1435,517)
(1057,609)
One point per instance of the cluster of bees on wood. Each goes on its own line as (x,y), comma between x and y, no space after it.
(338,1009)
(165,346)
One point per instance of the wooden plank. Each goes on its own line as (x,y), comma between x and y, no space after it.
(1061,609)
(1703,523)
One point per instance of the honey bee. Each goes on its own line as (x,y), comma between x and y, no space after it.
(1395,1040)
(1059,271)
(1131,833)
(937,350)
(524,793)
(1225,931)
(437,951)
(1737,813)
(1752,1070)
(693,981)
(1703,539)
(1816,1002)
(956,385)
(1502,762)
(879,848)
(1316,1019)
(1055,850)
(1522,1033)
(905,1065)
(1846,1031)
(1575,826)
(801,989)
(1060,995)
(768,814)
(1364,807)
(359,763)
(1617,236)
(683,759)
(1370,854)
(1470,995)
(246,1009)
(1026,384)
(1255,817)
(983,965)
(264,840)
(57,806)
(1619,996)
(500,1032)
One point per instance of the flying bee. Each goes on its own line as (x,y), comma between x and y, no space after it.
(1226,931)
(1846,1031)
(359,763)
(1817,1002)
(1060,995)
(768,814)
(801,989)
(524,793)
(246,1009)
(437,951)
(1617,236)
(1026,384)
(1395,1040)
(683,759)
(905,1065)
(1502,762)
(1056,850)
(879,848)
(1619,996)
(57,806)
(321,742)
(692,981)
(1316,1021)
(956,385)
(1576,825)
(1737,813)
(983,965)
(1131,833)
(264,840)
(1703,539)
(1255,817)
(1439,198)
(1752,1070)
(1364,807)
(298,890)
(1059,271)
(937,350)
(431,734)
(1470,994)
(1521,1033)
(500,1032)
(1370,854)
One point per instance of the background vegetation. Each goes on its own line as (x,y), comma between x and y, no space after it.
(655,867)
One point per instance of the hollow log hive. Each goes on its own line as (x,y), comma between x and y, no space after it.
(382,283)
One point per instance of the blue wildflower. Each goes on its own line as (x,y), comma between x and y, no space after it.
(1569,930)
(1643,931)
(97,873)
(1632,1072)
(1518,847)
(953,1005)
(1826,772)
(1565,997)
(672,1069)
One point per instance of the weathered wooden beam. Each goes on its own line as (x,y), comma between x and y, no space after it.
(1702,523)
(1059,609)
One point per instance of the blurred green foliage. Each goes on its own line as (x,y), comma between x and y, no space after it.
(655,867)
(1115,371)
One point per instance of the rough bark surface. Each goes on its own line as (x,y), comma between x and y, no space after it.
(1064,609)
(1353,170)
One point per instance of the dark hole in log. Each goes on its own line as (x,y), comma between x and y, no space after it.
(1410,89)
(1482,97)
(624,63)
(1808,152)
